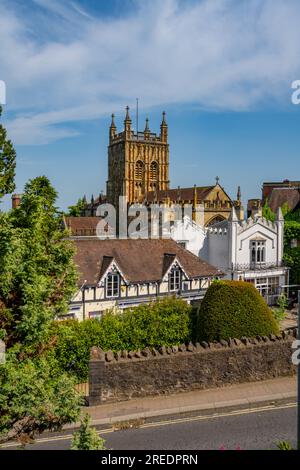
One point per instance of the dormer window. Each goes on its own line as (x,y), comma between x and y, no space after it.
(112,285)
(258,251)
(175,279)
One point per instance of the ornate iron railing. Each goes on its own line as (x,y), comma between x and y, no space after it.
(257,266)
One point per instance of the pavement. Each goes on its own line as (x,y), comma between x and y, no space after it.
(290,320)
(245,396)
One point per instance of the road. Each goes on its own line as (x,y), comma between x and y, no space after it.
(258,429)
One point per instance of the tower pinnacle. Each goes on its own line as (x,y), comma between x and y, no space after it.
(164,128)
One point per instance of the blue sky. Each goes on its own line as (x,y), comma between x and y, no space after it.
(221,69)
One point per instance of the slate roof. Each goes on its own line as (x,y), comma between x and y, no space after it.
(139,260)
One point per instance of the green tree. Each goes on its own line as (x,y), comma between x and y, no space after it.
(7,163)
(291,255)
(76,210)
(267,212)
(33,398)
(37,279)
(86,438)
(38,276)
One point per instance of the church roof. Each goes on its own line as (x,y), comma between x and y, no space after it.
(140,260)
(182,194)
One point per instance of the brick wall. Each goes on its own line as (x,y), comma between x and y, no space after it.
(128,374)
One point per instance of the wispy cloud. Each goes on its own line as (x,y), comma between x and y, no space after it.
(216,54)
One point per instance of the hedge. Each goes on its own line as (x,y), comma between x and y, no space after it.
(162,323)
(232,309)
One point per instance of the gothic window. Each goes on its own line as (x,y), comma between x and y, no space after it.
(139,170)
(215,220)
(258,251)
(153,171)
(112,285)
(174,279)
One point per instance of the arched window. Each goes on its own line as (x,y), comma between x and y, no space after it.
(215,220)
(258,251)
(154,171)
(139,170)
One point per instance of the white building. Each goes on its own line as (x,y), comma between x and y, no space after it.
(251,250)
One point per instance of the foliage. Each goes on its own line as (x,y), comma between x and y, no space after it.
(267,212)
(86,438)
(165,322)
(279,311)
(291,255)
(33,399)
(38,276)
(291,232)
(76,210)
(232,309)
(7,163)
(284,445)
(37,280)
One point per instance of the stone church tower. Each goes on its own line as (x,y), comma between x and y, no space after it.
(138,163)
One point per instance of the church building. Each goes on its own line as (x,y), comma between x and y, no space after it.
(138,168)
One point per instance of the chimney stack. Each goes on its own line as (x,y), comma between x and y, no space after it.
(16,200)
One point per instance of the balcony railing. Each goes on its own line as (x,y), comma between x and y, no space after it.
(257,266)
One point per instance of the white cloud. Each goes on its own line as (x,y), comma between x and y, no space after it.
(216,54)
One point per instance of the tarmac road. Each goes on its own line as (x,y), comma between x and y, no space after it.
(260,428)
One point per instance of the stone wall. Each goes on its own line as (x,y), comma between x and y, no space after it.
(129,374)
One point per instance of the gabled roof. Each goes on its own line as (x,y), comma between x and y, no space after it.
(169,259)
(139,260)
(184,194)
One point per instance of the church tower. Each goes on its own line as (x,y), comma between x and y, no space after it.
(138,162)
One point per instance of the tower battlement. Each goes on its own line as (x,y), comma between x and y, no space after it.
(138,162)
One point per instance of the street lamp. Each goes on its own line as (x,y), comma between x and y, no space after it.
(82,289)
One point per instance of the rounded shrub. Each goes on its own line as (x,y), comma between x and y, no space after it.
(232,309)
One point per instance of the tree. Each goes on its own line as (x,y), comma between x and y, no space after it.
(76,210)
(33,398)
(38,276)
(291,255)
(7,163)
(86,438)
(37,279)
(267,212)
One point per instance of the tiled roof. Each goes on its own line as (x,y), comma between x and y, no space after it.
(139,260)
(82,226)
(280,196)
(182,194)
